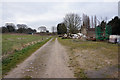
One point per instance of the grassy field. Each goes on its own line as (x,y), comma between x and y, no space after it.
(92,59)
(13,42)
(20,55)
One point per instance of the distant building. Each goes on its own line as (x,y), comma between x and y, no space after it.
(89,32)
(84,30)
(42,29)
(54,29)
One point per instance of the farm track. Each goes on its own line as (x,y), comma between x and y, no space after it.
(49,61)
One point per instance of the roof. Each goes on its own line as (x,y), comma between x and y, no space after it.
(91,29)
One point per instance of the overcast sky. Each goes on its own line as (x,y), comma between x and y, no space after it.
(44,13)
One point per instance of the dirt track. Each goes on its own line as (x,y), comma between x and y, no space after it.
(49,61)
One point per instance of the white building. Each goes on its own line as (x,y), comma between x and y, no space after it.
(42,29)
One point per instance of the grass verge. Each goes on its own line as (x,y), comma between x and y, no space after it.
(90,56)
(19,56)
(53,39)
(78,71)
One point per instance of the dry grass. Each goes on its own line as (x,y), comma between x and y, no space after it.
(88,56)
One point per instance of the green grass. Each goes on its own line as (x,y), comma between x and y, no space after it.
(12,60)
(11,42)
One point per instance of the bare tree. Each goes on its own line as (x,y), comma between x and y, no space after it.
(92,24)
(72,22)
(95,21)
(86,21)
(106,19)
(54,29)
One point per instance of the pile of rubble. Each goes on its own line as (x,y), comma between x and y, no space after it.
(74,36)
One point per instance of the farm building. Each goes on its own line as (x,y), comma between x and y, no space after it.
(99,32)
(89,32)
(83,30)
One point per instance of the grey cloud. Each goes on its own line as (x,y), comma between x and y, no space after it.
(35,14)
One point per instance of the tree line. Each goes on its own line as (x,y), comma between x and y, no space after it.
(72,24)
(21,28)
